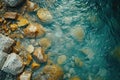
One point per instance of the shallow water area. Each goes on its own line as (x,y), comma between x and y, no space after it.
(80,38)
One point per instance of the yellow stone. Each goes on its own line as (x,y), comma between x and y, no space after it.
(29,59)
(61,59)
(78,33)
(22,21)
(55,72)
(44,15)
(13,27)
(45,43)
(35,65)
(78,62)
(75,78)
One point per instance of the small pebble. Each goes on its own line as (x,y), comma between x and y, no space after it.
(61,59)
(30,48)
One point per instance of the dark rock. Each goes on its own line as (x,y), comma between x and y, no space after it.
(13,3)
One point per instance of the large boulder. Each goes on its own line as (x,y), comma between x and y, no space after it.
(13,64)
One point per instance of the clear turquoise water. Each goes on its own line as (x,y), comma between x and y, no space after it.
(101,36)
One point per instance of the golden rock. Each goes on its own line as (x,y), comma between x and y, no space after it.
(35,65)
(22,21)
(13,27)
(54,71)
(45,43)
(34,30)
(31,6)
(44,15)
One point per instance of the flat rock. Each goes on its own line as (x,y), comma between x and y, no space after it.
(5,42)
(13,3)
(61,59)
(3,57)
(13,64)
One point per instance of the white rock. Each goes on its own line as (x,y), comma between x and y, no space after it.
(5,42)
(13,64)
(26,75)
(30,48)
(61,59)
(3,57)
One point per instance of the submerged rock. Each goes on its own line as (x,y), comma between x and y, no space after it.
(26,75)
(30,48)
(75,78)
(61,59)
(78,33)
(34,30)
(13,64)
(3,57)
(54,72)
(44,15)
(13,3)
(45,43)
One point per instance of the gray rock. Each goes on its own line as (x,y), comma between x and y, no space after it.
(13,3)
(13,64)
(3,57)
(5,42)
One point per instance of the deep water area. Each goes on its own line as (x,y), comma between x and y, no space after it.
(86,32)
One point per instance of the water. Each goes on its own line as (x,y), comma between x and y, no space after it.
(100,36)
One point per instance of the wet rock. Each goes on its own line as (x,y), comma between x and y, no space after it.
(5,43)
(13,27)
(61,59)
(13,64)
(31,6)
(34,30)
(13,3)
(3,57)
(26,75)
(40,55)
(44,15)
(45,43)
(54,72)
(30,48)
(22,21)
(11,15)
(26,57)
(35,65)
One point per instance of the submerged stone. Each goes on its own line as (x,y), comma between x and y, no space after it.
(11,15)
(61,59)
(44,15)
(13,64)
(45,43)
(54,72)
